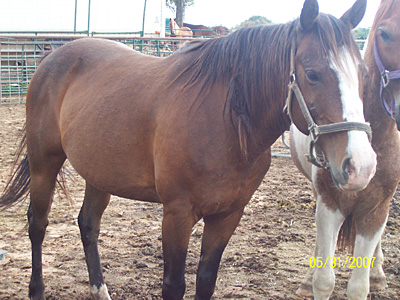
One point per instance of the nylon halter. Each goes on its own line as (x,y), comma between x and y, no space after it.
(386,77)
(315,131)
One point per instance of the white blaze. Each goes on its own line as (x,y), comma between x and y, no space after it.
(363,158)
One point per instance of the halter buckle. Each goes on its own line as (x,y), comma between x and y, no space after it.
(314,132)
(385,79)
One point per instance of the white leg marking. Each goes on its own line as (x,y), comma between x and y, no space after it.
(328,226)
(377,278)
(358,286)
(100,293)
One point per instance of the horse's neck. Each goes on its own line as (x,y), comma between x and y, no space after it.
(273,123)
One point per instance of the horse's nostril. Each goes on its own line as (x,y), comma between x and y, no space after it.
(346,168)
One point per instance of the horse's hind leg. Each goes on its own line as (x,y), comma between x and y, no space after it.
(377,278)
(305,289)
(43,179)
(217,232)
(94,204)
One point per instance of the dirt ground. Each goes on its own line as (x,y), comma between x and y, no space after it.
(267,257)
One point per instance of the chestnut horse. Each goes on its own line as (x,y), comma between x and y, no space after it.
(192,131)
(179,32)
(363,214)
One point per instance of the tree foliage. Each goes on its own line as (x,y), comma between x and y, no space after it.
(361,33)
(171,4)
(254,21)
(178,7)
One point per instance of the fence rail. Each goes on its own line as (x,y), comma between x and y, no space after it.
(21,55)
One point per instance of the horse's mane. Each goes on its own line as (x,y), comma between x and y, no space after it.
(255,64)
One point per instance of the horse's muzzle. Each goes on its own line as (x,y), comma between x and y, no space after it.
(354,174)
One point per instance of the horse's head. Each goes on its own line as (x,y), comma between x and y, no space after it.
(384,42)
(327,66)
(172,24)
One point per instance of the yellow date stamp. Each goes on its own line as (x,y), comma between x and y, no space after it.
(338,262)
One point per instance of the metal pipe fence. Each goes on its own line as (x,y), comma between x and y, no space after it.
(21,55)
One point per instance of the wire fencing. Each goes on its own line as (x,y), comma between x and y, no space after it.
(21,55)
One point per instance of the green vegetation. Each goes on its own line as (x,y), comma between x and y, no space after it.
(254,21)
(361,33)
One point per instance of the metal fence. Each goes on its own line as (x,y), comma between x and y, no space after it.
(21,55)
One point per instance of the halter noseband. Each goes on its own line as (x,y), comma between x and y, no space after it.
(386,77)
(315,131)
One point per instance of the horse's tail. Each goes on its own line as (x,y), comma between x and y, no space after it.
(347,235)
(17,188)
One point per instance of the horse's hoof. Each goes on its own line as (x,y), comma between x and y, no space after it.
(100,293)
(377,283)
(36,291)
(305,290)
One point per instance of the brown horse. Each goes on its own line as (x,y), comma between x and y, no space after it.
(179,32)
(192,131)
(364,212)
(204,31)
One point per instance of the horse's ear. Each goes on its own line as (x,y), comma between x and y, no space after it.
(355,14)
(309,14)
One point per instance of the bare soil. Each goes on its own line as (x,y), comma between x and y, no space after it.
(267,257)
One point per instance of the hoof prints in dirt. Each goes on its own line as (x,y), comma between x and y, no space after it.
(267,257)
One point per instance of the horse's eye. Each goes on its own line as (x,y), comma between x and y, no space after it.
(312,76)
(385,35)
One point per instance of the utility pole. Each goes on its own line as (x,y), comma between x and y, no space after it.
(144,18)
(88,22)
(76,9)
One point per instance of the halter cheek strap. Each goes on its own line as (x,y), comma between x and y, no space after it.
(386,77)
(315,131)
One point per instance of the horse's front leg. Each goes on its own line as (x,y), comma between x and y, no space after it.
(377,278)
(177,224)
(94,204)
(364,249)
(218,229)
(328,225)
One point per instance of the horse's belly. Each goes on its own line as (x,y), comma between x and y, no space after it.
(112,163)
(110,144)
(123,181)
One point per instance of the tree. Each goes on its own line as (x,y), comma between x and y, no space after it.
(361,33)
(178,6)
(254,21)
